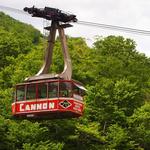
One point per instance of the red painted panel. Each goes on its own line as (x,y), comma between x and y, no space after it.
(13,108)
(36,106)
(71,105)
(48,105)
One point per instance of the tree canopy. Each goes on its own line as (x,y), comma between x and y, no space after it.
(117,103)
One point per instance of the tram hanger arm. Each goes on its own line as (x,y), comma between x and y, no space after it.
(67,72)
(57,17)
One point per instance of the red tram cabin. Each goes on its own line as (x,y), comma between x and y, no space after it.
(54,98)
(46,95)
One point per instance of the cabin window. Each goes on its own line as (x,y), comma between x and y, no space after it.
(78,93)
(42,90)
(65,89)
(53,89)
(31,92)
(20,93)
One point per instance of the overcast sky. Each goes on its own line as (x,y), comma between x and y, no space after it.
(127,13)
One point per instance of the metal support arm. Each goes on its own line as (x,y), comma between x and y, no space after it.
(49,50)
(44,71)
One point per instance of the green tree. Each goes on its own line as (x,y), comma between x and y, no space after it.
(116,105)
(139,126)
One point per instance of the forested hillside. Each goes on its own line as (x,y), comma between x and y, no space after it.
(117,103)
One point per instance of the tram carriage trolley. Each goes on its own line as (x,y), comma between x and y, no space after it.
(48,99)
(48,96)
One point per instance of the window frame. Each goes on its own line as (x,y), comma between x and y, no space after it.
(37,90)
(70,93)
(57,91)
(16,93)
(35,97)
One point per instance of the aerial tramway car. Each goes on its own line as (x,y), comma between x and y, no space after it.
(46,95)
(52,98)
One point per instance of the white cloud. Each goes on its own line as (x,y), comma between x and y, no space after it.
(128,13)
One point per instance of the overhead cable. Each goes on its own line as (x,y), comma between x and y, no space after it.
(93,24)
(117,28)
(12,9)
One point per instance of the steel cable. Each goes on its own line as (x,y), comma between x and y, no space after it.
(113,27)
